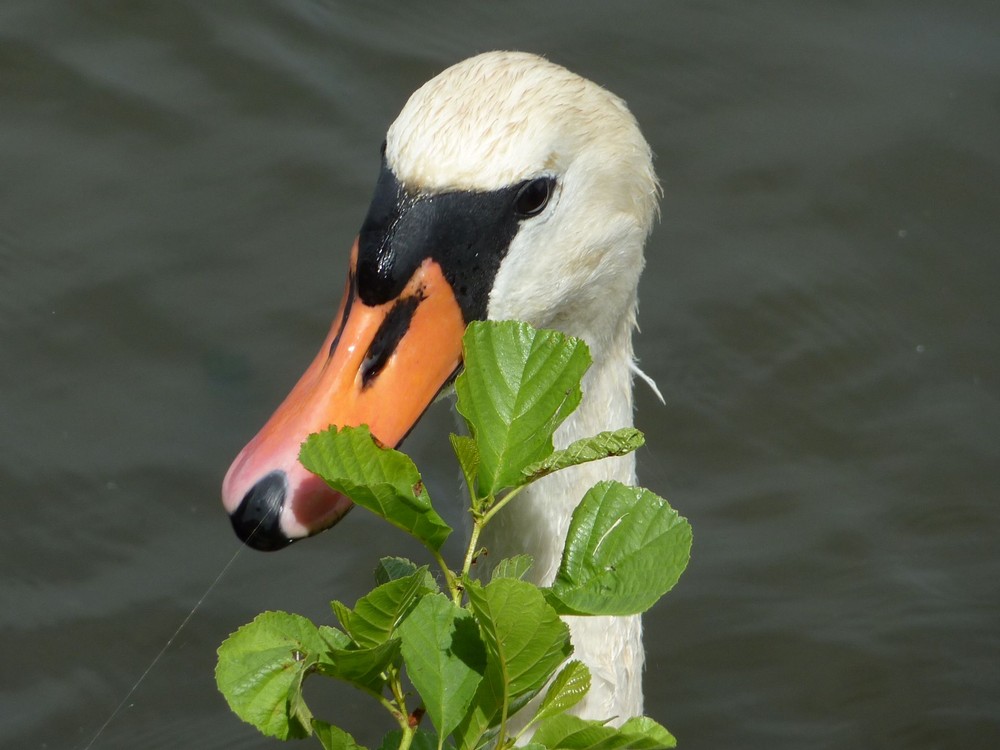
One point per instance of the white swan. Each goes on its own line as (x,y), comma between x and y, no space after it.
(510,188)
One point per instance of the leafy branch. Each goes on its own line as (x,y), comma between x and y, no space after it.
(477,652)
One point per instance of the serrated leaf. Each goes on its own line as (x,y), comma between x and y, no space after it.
(602,445)
(655,735)
(512,567)
(335,638)
(334,738)
(377,614)
(343,614)
(519,384)
(298,711)
(567,732)
(262,664)
(362,667)
(382,480)
(521,631)
(394,568)
(566,690)
(626,547)
(525,642)
(481,722)
(468,458)
(445,658)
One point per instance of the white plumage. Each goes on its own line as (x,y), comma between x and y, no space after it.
(492,121)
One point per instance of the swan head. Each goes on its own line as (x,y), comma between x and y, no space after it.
(506,119)
(510,188)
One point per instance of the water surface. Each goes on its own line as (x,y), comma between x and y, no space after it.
(181,184)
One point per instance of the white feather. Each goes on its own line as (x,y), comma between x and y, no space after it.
(493,121)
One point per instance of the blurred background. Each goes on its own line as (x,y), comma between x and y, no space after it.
(179,187)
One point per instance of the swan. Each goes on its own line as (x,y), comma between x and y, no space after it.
(510,188)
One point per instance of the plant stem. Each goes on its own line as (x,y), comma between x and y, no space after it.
(397,693)
(389,706)
(494,509)
(477,528)
(502,736)
(479,521)
(407,739)
(450,579)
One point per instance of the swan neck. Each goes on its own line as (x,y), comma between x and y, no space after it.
(537,522)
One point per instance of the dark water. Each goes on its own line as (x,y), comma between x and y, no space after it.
(179,185)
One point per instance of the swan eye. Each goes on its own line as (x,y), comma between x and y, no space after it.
(533,197)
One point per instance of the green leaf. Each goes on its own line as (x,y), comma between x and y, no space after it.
(394,568)
(377,614)
(468,458)
(525,643)
(567,732)
(298,711)
(334,738)
(625,549)
(362,667)
(512,567)
(343,614)
(521,631)
(335,638)
(566,690)
(261,666)
(481,722)
(382,480)
(655,735)
(604,444)
(445,658)
(519,384)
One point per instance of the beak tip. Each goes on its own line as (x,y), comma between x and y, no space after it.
(257,519)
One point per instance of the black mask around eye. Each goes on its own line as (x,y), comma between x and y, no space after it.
(467,232)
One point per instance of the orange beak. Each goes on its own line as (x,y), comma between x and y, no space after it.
(380,365)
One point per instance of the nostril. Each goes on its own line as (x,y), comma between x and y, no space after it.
(387,338)
(257,520)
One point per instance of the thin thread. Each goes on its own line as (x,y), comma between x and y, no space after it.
(166,646)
